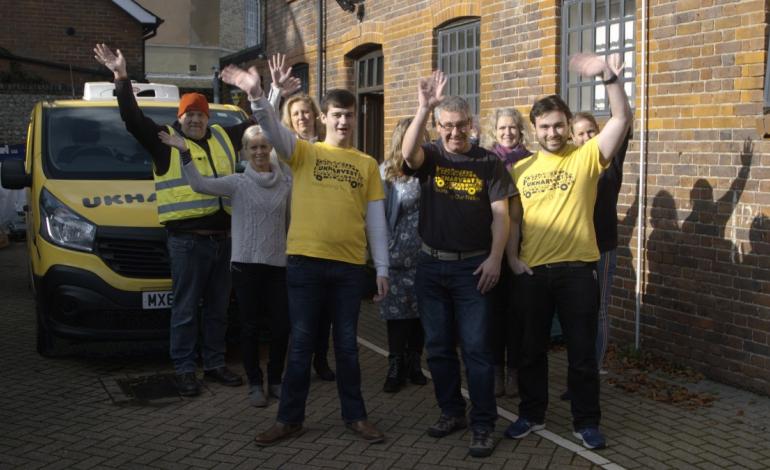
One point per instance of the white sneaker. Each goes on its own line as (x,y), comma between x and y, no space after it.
(257,396)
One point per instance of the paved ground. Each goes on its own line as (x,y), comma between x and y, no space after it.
(69,413)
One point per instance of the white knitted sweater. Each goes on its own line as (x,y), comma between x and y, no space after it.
(260,206)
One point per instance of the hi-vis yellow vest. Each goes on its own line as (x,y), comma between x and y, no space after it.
(176,199)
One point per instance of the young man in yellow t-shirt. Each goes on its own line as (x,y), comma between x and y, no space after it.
(337,204)
(556,268)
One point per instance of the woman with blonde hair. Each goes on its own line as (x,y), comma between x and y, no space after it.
(506,137)
(399,308)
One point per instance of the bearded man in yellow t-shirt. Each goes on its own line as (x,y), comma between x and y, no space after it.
(556,267)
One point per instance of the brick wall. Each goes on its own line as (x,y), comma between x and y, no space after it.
(40,31)
(706,265)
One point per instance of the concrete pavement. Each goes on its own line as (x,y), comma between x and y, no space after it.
(70,412)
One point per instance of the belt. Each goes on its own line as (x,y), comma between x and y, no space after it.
(451,255)
(209,234)
(566,264)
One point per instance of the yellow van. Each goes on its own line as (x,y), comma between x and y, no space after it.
(97,254)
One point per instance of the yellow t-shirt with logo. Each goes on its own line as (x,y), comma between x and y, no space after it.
(558,192)
(331,192)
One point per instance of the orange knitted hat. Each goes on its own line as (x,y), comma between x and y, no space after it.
(193,102)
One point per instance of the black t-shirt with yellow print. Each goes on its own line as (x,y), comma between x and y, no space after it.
(456,193)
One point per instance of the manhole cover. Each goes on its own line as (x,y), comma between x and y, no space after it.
(148,389)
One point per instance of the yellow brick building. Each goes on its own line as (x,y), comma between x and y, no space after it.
(697,79)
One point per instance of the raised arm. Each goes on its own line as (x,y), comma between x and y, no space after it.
(282,139)
(430,92)
(213,186)
(614,131)
(144,129)
(283,85)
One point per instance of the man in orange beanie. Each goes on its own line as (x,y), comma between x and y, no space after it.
(198,225)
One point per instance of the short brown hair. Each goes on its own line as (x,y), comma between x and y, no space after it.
(548,104)
(339,98)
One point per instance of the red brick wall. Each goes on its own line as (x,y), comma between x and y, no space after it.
(37,29)
(706,268)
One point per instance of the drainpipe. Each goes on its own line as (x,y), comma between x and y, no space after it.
(320,51)
(642,190)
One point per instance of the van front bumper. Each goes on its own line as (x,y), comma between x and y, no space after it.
(78,304)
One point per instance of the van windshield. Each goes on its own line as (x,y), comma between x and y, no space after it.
(93,143)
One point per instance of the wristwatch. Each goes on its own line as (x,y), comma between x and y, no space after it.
(611,80)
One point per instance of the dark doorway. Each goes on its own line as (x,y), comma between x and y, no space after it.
(371,124)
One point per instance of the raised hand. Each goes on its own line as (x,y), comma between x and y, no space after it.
(291,86)
(115,63)
(248,81)
(173,141)
(589,65)
(615,63)
(430,91)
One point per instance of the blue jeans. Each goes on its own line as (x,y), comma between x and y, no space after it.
(606,271)
(573,292)
(200,275)
(316,286)
(452,309)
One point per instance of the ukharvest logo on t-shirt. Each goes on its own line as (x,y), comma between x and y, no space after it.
(457,184)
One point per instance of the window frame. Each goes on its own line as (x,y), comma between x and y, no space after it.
(254,36)
(767,77)
(364,65)
(463,54)
(592,86)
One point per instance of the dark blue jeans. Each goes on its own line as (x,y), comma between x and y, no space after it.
(317,285)
(200,275)
(453,310)
(573,292)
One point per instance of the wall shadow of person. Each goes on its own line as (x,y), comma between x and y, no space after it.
(690,292)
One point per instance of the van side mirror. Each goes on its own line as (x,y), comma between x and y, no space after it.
(13,176)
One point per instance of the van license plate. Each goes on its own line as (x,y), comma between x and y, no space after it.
(153,300)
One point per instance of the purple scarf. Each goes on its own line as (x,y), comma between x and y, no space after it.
(510,157)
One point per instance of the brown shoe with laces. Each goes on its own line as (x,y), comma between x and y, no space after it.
(366,431)
(277,433)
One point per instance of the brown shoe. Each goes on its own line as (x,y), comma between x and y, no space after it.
(366,431)
(278,433)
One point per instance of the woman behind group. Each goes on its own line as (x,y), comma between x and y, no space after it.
(399,307)
(506,138)
(260,219)
(584,128)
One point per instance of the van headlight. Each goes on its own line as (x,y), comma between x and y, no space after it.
(62,226)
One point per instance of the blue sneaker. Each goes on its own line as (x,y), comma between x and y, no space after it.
(521,428)
(592,438)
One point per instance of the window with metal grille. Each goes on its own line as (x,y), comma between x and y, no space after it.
(603,27)
(301,71)
(255,23)
(459,59)
(369,72)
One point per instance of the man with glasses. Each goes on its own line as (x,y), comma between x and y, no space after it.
(464,226)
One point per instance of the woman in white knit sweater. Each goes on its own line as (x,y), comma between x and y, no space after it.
(260,218)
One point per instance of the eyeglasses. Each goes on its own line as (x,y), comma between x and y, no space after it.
(450,126)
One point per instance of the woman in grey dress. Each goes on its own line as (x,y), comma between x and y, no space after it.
(399,308)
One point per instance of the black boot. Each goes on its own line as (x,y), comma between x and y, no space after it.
(414,368)
(396,374)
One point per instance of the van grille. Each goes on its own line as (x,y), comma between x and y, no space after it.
(139,258)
